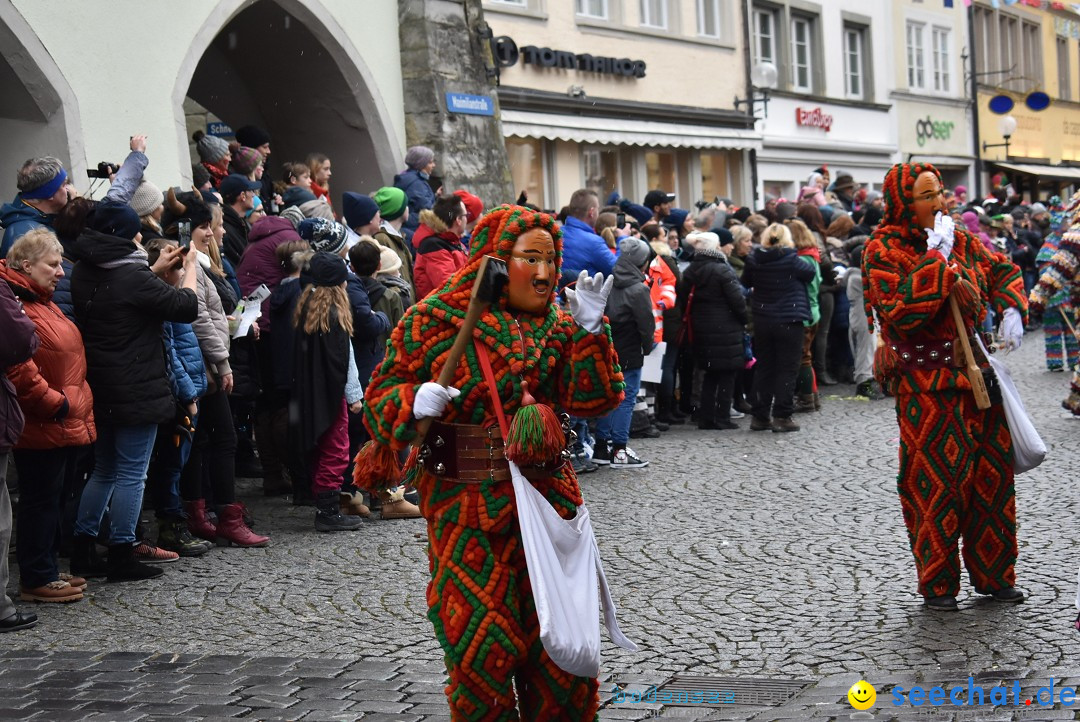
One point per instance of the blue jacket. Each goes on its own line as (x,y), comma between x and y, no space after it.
(583,250)
(416,187)
(62,295)
(187,371)
(18,219)
(777,279)
(368,325)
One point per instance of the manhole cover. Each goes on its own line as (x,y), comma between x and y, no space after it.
(692,691)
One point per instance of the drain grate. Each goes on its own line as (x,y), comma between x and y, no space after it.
(704,691)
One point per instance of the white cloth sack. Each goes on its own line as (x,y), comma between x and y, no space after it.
(1028,447)
(564,567)
(651,371)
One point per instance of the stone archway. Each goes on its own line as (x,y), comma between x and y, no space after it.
(288,66)
(39,114)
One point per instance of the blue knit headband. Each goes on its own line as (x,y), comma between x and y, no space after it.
(49,189)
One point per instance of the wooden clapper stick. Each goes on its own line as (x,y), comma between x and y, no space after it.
(971,369)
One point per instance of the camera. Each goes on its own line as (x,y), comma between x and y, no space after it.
(104,170)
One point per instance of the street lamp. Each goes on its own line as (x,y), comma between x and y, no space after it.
(763,77)
(1007,126)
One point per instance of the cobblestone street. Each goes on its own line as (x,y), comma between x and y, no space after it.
(733,554)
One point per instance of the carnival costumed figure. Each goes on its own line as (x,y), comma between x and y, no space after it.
(1058,292)
(541,358)
(956,461)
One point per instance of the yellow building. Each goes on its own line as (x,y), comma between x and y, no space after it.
(1022,50)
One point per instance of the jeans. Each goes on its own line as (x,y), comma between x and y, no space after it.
(615,427)
(7,607)
(213,453)
(43,474)
(778,348)
(122,456)
(163,482)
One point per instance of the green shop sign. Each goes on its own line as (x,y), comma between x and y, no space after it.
(929,129)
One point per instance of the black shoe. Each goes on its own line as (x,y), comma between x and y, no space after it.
(759,424)
(670,419)
(869,390)
(661,426)
(85,561)
(678,416)
(742,406)
(124,567)
(1010,595)
(18,620)
(650,433)
(601,454)
(782,424)
(328,516)
(582,464)
(173,535)
(943,603)
(826,380)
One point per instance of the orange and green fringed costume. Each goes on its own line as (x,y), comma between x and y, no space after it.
(956,463)
(479,598)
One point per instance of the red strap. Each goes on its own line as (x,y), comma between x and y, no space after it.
(489,378)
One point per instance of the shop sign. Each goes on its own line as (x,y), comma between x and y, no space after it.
(220,130)
(506,54)
(929,129)
(815,118)
(470,104)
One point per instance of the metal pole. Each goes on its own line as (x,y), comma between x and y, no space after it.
(974,105)
(748,55)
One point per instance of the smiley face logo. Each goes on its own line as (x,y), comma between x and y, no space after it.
(862,695)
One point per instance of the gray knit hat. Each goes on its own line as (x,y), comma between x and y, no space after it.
(146,199)
(210,147)
(317,208)
(418,157)
(294,215)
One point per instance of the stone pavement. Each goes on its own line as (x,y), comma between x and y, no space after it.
(733,554)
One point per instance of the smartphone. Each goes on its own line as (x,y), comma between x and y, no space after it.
(620,220)
(185,234)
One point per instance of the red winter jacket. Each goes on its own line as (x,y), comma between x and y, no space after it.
(54,377)
(439,254)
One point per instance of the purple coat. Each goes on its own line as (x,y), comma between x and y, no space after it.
(20,343)
(259,263)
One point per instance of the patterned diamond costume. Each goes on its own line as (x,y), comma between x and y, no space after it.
(956,477)
(479,598)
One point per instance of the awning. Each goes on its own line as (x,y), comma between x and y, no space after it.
(1049,172)
(624,131)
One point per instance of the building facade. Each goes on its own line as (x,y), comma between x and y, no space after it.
(830,105)
(623,96)
(1027,66)
(931,103)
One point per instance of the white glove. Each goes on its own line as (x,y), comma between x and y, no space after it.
(587,302)
(940,237)
(431,399)
(1012,329)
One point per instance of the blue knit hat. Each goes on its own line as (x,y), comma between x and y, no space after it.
(359,209)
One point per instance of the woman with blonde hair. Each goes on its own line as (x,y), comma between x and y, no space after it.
(777,280)
(808,251)
(322,368)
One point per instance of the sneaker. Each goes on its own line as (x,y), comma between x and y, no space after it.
(625,458)
(149,553)
(601,454)
(736,414)
(582,464)
(58,591)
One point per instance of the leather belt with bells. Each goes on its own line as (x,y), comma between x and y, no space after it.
(471,454)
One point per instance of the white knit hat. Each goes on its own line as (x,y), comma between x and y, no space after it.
(389,262)
(146,199)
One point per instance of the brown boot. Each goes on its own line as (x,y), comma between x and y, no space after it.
(780,424)
(352,504)
(805,404)
(394,506)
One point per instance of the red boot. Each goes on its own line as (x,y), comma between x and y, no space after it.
(198,522)
(232,530)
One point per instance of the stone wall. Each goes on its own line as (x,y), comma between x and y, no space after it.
(442,51)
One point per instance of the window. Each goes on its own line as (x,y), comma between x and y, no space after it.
(660,170)
(518,3)
(654,13)
(853,62)
(1008,47)
(593,8)
(916,61)
(600,166)
(801,49)
(765,36)
(708,18)
(985,42)
(1031,59)
(526,157)
(1064,79)
(940,47)
(714,175)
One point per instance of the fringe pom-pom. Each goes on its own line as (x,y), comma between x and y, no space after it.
(376,467)
(535,436)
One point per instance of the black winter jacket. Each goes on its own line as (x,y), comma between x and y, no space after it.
(717,314)
(777,279)
(629,312)
(236,234)
(121,305)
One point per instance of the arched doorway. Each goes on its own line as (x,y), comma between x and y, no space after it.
(287,66)
(39,114)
